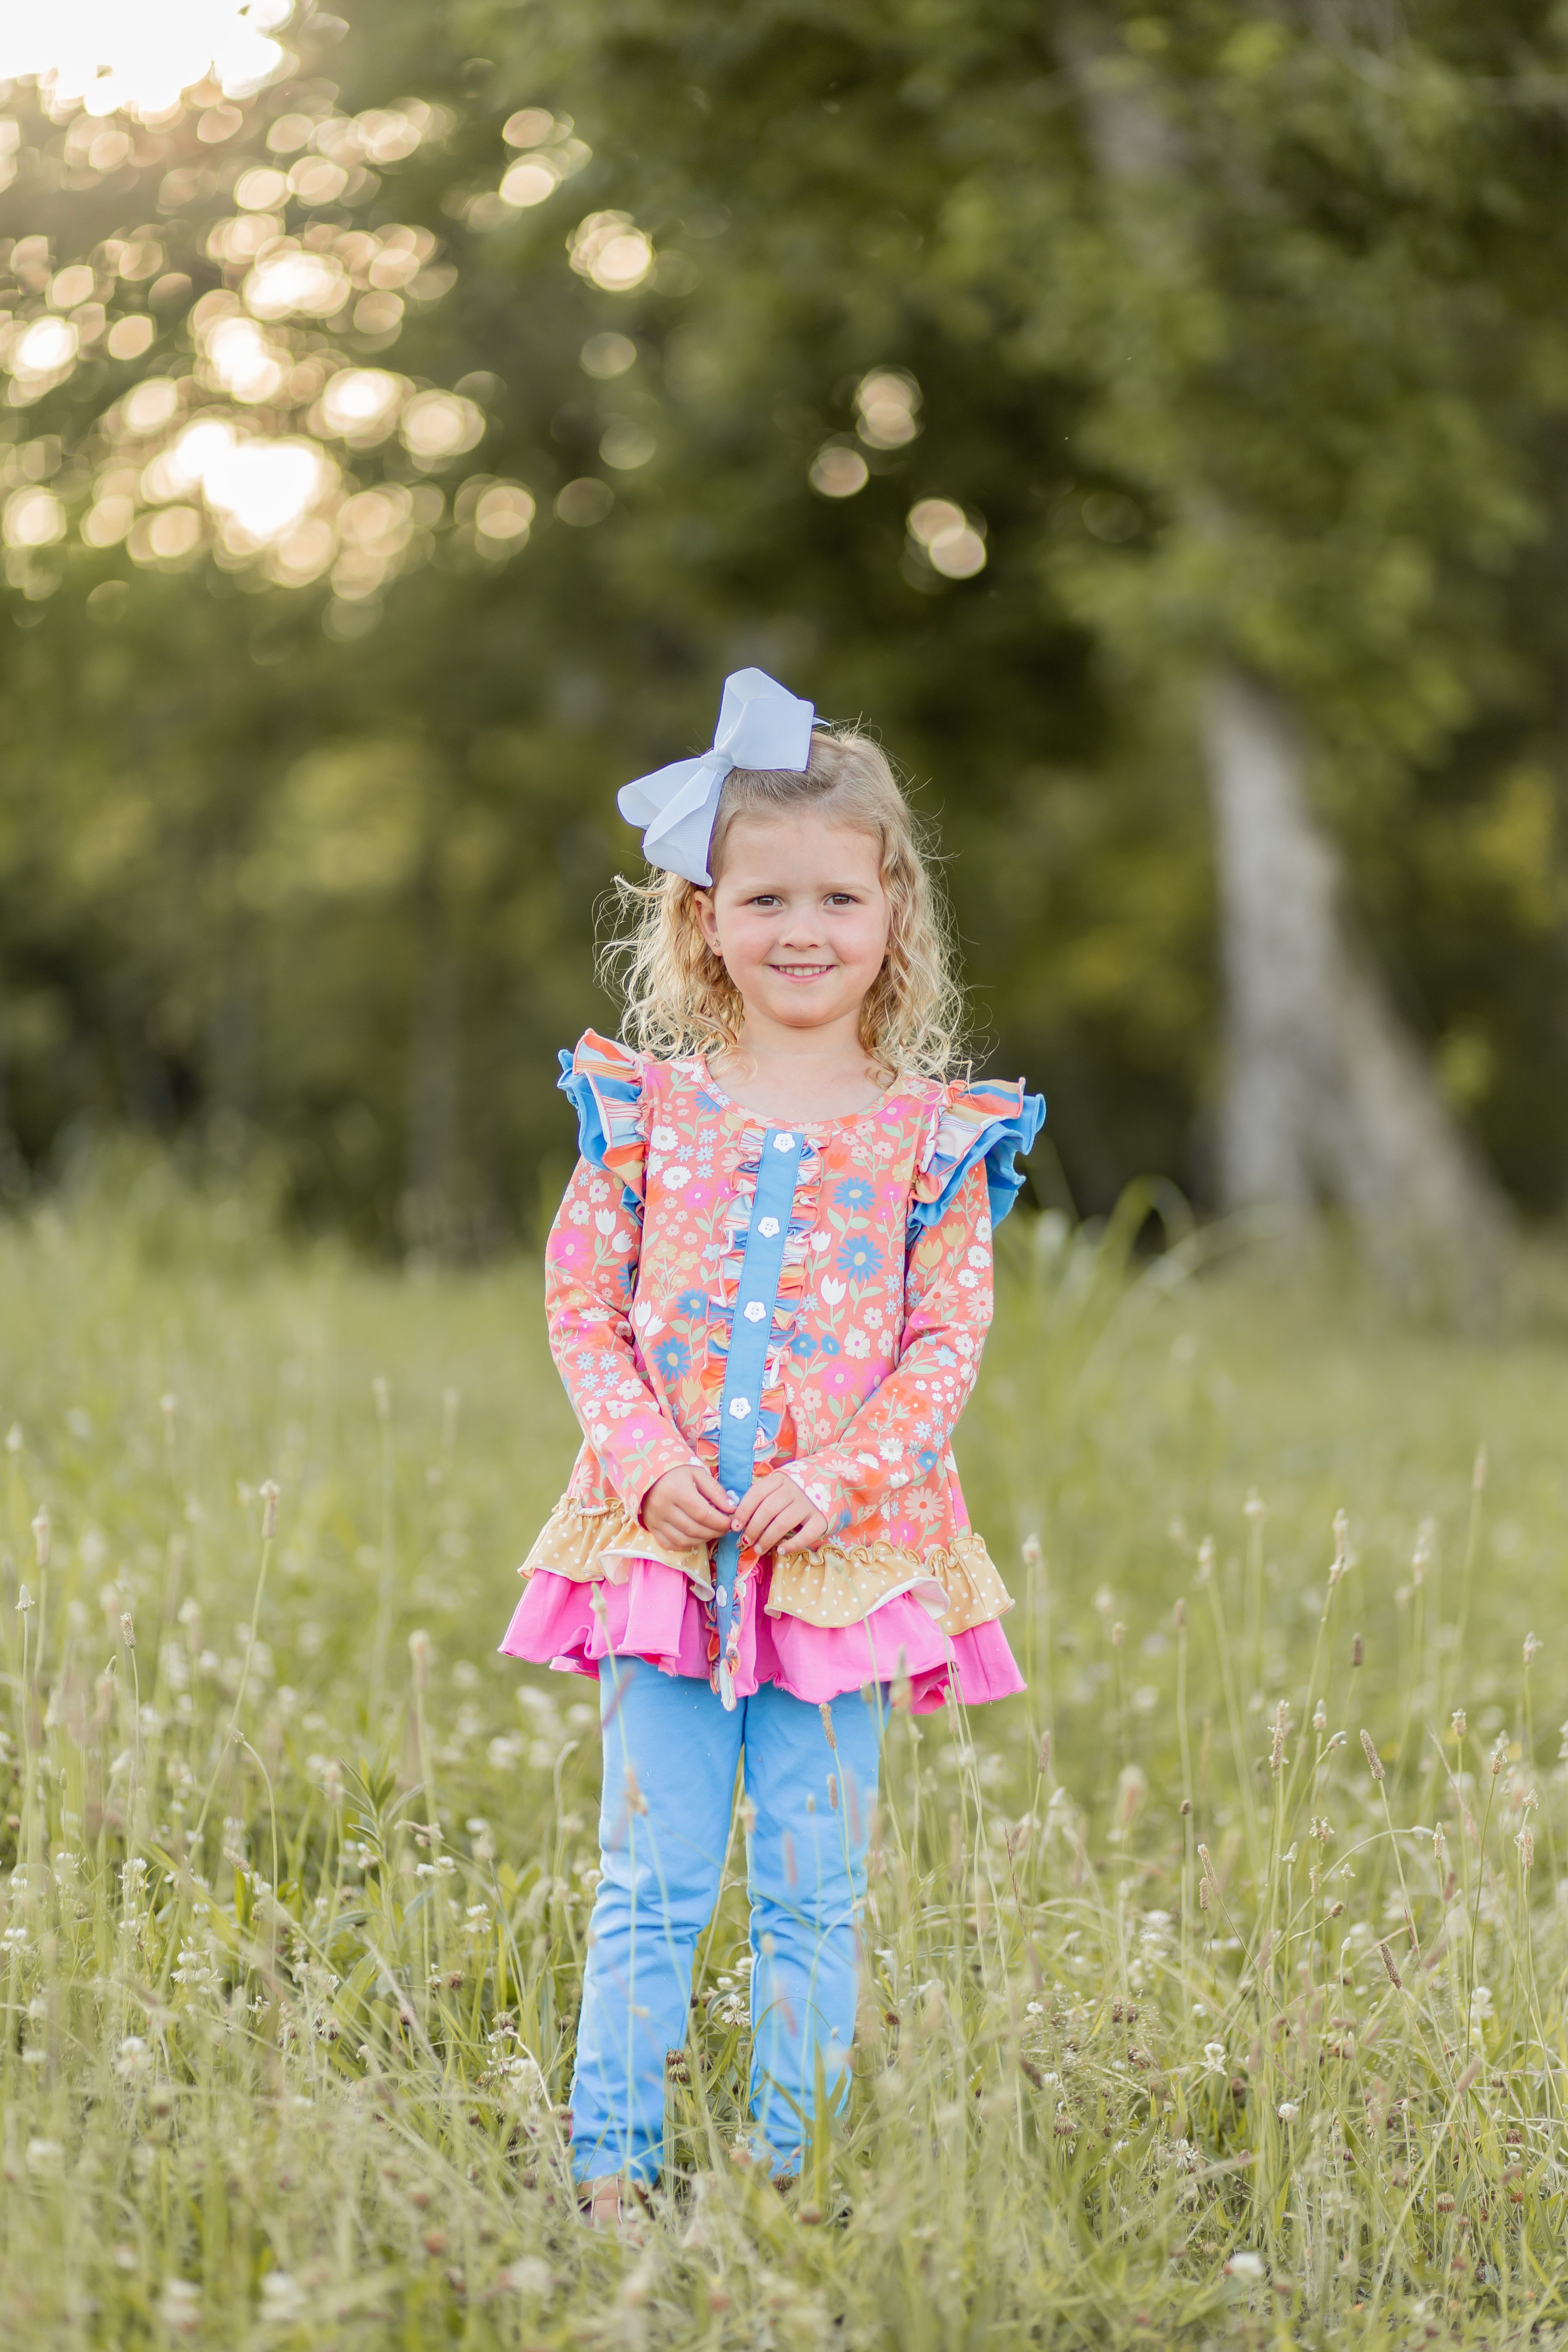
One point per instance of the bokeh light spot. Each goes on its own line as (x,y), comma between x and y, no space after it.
(128,337)
(528,182)
(33,518)
(260,190)
(611,251)
(378,314)
(312,285)
(72,285)
(932,518)
(440,425)
(887,405)
(290,133)
(304,555)
(106,523)
(316,180)
(263,489)
(584,502)
(243,361)
(174,533)
(608,355)
(150,404)
(837,471)
(504,513)
(45,348)
(953,542)
(361,405)
(531,126)
(627,445)
(958,555)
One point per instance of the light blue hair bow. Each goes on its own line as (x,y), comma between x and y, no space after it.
(760,724)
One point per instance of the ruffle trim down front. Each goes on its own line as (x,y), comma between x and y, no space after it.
(838,1585)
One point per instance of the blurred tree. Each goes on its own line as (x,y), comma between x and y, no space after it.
(827,338)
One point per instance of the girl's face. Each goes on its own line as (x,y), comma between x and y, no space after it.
(799,916)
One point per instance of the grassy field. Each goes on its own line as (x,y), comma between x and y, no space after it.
(1218,1991)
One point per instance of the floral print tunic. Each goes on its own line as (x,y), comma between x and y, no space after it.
(876,1311)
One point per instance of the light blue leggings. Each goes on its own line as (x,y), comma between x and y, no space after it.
(670,1748)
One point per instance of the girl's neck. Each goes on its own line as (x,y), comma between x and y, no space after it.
(801,1077)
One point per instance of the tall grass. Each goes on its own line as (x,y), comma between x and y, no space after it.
(1214,1992)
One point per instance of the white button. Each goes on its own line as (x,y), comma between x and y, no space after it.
(722,1597)
(783,1143)
(740,1408)
(767,1227)
(754,1310)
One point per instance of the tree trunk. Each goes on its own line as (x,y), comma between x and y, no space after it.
(1327,1095)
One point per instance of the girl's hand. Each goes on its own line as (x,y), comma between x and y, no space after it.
(686,1508)
(775,1516)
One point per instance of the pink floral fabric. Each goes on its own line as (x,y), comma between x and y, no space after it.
(877,1330)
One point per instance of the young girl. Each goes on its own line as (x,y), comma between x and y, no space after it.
(767,1290)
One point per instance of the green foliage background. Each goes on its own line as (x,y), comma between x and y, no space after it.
(1289,391)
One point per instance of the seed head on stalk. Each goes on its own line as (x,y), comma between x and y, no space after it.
(41,1535)
(1425,1550)
(1374,1760)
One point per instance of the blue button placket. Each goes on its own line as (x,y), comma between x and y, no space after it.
(750,1335)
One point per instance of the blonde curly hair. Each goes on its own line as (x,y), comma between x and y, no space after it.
(680,1000)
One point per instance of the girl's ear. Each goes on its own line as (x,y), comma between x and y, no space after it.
(703,902)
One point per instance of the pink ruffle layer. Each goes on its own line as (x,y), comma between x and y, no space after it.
(656,1615)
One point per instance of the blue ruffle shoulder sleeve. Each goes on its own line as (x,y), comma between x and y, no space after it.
(992,1120)
(602,1081)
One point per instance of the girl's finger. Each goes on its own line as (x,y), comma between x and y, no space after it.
(766,1495)
(708,1486)
(712,1523)
(757,1514)
(808,1535)
(776,1526)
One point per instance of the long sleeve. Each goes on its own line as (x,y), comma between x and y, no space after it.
(904,1428)
(591,1262)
